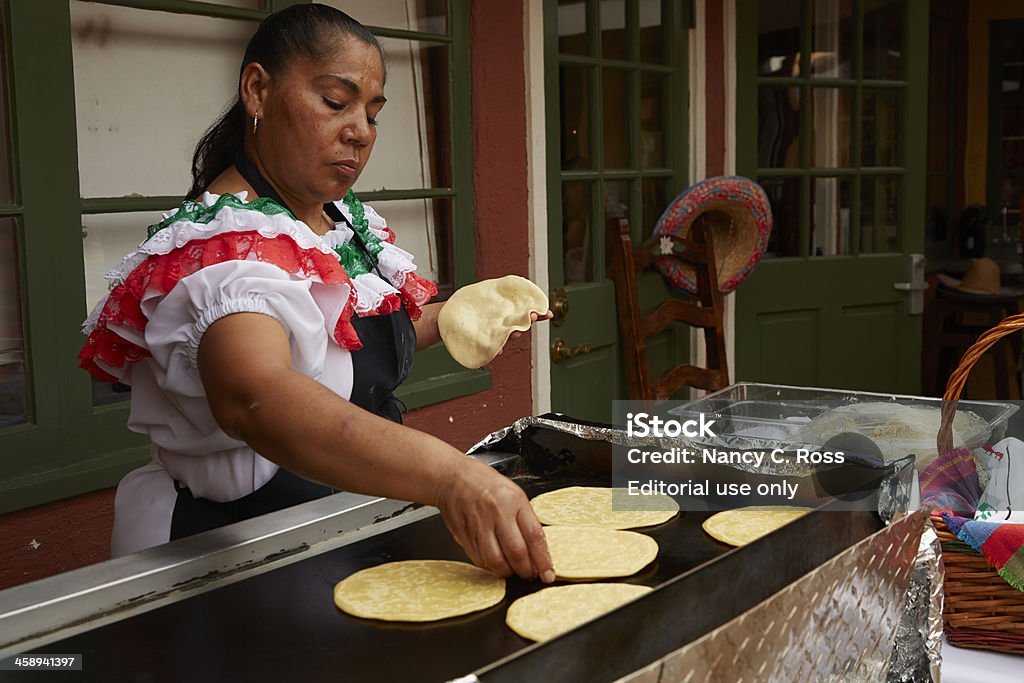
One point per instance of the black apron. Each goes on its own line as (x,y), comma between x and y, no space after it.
(378,368)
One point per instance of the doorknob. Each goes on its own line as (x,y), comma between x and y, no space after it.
(916,287)
(560,350)
(559,306)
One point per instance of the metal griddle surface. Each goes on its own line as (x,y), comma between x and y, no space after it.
(283,625)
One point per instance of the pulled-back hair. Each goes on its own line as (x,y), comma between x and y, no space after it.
(310,31)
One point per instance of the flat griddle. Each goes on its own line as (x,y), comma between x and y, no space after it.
(283,625)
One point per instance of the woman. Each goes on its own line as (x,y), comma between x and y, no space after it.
(264,326)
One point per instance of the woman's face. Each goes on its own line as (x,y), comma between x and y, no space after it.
(317,122)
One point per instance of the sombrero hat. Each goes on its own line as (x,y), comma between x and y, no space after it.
(740,220)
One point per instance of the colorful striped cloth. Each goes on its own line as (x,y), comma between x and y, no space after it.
(950,484)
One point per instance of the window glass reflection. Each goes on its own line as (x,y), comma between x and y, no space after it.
(785,197)
(576,222)
(778,127)
(830,216)
(778,39)
(879,214)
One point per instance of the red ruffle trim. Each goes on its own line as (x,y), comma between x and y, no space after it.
(416,291)
(162,273)
(389,234)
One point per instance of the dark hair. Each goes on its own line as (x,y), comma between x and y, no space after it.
(308,31)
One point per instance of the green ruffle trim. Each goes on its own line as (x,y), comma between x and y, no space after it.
(353,259)
(195,212)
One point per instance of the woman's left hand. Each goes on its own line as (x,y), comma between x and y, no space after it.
(534,317)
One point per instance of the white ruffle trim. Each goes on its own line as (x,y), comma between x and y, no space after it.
(394,262)
(228,219)
(370,292)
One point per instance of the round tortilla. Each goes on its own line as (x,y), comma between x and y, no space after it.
(418,590)
(592,506)
(477,320)
(741,526)
(553,611)
(582,552)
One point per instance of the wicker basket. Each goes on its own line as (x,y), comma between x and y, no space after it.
(981,609)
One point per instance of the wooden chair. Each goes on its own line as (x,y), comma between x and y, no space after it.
(706,312)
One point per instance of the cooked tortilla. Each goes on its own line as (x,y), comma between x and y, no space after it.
(418,590)
(744,525)
(477,320)
(552,611)
(581,552)
(593,506)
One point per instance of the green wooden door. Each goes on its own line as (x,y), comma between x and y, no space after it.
(831,112)
(615,81)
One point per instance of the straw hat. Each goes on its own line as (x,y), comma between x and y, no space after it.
(981,279)
(740,219)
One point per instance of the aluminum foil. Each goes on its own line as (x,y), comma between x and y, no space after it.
(917,654)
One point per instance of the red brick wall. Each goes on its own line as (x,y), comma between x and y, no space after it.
(714,88)
(76,532)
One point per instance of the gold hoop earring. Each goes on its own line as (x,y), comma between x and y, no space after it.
(255,123)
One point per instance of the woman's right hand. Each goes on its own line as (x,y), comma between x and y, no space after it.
(491,518)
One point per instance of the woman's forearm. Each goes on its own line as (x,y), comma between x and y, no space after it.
(306,428)
(427,333)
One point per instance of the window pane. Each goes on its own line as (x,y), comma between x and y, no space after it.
(784,195)
(832,39)
(423,227)
(415,15)
(651,37)
(574,90)
(616,119)
(613,29)
(653,89)
(147,84)
(879,214)
(576,220)
(413,148)
(6,177)
(830,145)
(880,134)
(830,216)
(13,389)
(778,39)
(883,39)
(655,202)
(572,27)
(778,127)
(1012,100)
(106,239)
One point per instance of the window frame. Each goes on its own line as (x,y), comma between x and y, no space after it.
(675,20)
(69,446)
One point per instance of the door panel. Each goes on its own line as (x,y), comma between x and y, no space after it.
(834,322)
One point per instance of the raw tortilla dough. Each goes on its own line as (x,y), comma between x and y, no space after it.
(740,527)
(592,506)
(552,611)
(477,320)
(418,590)
(582,552)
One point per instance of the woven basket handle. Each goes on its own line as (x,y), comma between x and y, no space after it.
(957,380)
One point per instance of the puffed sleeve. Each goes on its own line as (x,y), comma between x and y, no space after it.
(178,320)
